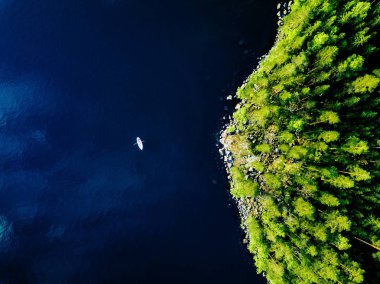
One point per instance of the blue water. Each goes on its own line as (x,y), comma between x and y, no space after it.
(79,80)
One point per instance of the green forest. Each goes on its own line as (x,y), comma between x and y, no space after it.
(304,143)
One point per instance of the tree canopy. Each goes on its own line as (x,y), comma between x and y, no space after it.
(310,168)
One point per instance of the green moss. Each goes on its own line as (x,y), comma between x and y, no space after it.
(242,187)
(231,129)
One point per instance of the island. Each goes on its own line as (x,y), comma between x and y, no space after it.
(302,149)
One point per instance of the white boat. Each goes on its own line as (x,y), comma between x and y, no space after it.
(139,143)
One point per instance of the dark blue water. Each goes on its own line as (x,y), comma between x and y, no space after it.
(79,80)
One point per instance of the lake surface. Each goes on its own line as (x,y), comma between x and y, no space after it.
(80,80)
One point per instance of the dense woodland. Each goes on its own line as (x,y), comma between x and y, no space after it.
(305,144)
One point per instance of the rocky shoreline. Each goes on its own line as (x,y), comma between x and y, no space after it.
(246,206)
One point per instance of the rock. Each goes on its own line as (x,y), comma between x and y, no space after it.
(223,135)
